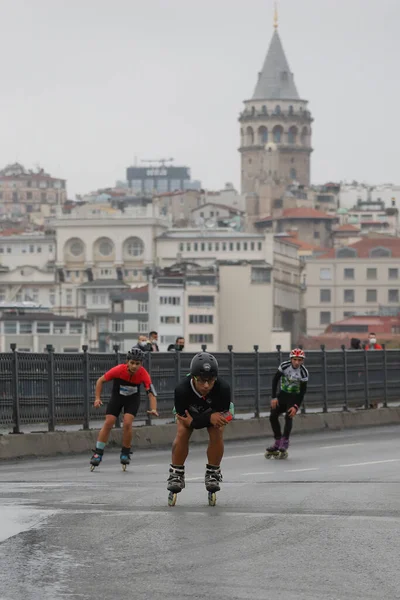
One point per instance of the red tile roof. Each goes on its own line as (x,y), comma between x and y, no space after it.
(299,213)
(365,246)
(347,227)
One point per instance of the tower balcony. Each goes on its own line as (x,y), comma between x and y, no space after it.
(293,117)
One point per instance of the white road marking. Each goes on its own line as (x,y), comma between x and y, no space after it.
(193,478)
(301,470)
(243,456)
(340,446)
(372,462)
(260,473)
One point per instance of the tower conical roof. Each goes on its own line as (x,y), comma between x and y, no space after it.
(275,82)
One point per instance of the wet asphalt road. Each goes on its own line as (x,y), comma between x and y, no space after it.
(325,524)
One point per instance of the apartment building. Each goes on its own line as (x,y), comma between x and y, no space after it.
(361,279)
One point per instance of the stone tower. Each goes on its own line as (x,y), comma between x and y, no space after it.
(275,135)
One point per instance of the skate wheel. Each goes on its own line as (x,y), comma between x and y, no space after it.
(267,455)
(172,499)
(123,467)
(212,498)
(92,468)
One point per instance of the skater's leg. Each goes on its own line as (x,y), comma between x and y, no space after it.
(288,427)
(215,450)
(106,429)
(127,430)
(180,446)
(274,420)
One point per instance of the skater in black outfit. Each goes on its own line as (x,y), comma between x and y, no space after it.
(293,377)
(201,401)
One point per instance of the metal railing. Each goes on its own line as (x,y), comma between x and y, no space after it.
(58,389)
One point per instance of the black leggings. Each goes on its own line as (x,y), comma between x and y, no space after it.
(282,407)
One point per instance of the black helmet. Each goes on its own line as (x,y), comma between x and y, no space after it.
(204,365)
(135,354)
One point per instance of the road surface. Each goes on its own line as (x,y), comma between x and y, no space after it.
(322,525)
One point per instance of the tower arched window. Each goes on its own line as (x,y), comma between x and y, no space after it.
(264,110)
(277,110)
(262,135)
(277,133)
(291,110)
(253,110)
(250,136)
(292,135)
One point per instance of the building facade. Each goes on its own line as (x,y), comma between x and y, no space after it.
(362,279)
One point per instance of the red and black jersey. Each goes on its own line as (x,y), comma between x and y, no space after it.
(126,383)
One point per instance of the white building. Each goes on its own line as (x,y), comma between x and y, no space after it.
(167,307)
(27,249)
(350,193)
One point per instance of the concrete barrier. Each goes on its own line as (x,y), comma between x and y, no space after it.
(75,442)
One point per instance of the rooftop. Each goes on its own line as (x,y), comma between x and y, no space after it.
(298,213)
(365,245)
(347,227)
(200,234)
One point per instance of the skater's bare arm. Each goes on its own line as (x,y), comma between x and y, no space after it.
(153,404)
(99,388)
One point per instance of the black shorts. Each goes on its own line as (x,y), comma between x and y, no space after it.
(129,404)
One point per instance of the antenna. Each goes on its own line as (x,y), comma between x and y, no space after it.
(161,161)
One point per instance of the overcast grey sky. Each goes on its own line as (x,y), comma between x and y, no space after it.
(87,85)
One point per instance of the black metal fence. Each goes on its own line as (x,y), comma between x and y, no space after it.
(59,388)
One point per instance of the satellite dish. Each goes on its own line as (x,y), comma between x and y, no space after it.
(210,224)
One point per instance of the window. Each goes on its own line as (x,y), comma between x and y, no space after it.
(59,327)
(348,313)
(43,327)
(223,246)
(393,296)
(25,328)
(69,298)
(188,246)
(102,324)
(135,247)
(238,245)
(372,273)
(167,339)
(259,246)
(143,326)
(325,273)
(209,319)
(209,246)
(142,307)
(217,246)
(174,300)
(76,247)
(349,273)
(324,295)
(393,273)
(244,245)
(252,246)
(31,249)
(75,328)
(230,245)
(117,306)
(181,246)
(316,235)
(346,253)
(380,252)
(202,246)
(348,296)
(117,326)
(39,249)
(201,300)
(260,275)
(10,327)
(170,320)
(324,318)
(371,295)
(195,246)
(201,338)
(106,247)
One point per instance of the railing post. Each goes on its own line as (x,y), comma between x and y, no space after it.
(177,356)
(325,380)
(278,349)
(116,351)
(366,380)
(346,400)
(86,388)
(50,388)
(232,371)
(257,395)
(15,389)
(148,367)
(385,390)
(203,347)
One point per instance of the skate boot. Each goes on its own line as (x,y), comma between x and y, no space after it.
(96,458)
(212,480)
(175,483)
(283,448)
(125,457)
(273,451)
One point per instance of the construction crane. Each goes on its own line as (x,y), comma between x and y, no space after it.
(161,161)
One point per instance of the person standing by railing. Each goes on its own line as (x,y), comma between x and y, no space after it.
(372,345)
(293,377)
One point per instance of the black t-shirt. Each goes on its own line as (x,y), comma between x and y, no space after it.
(199,407)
